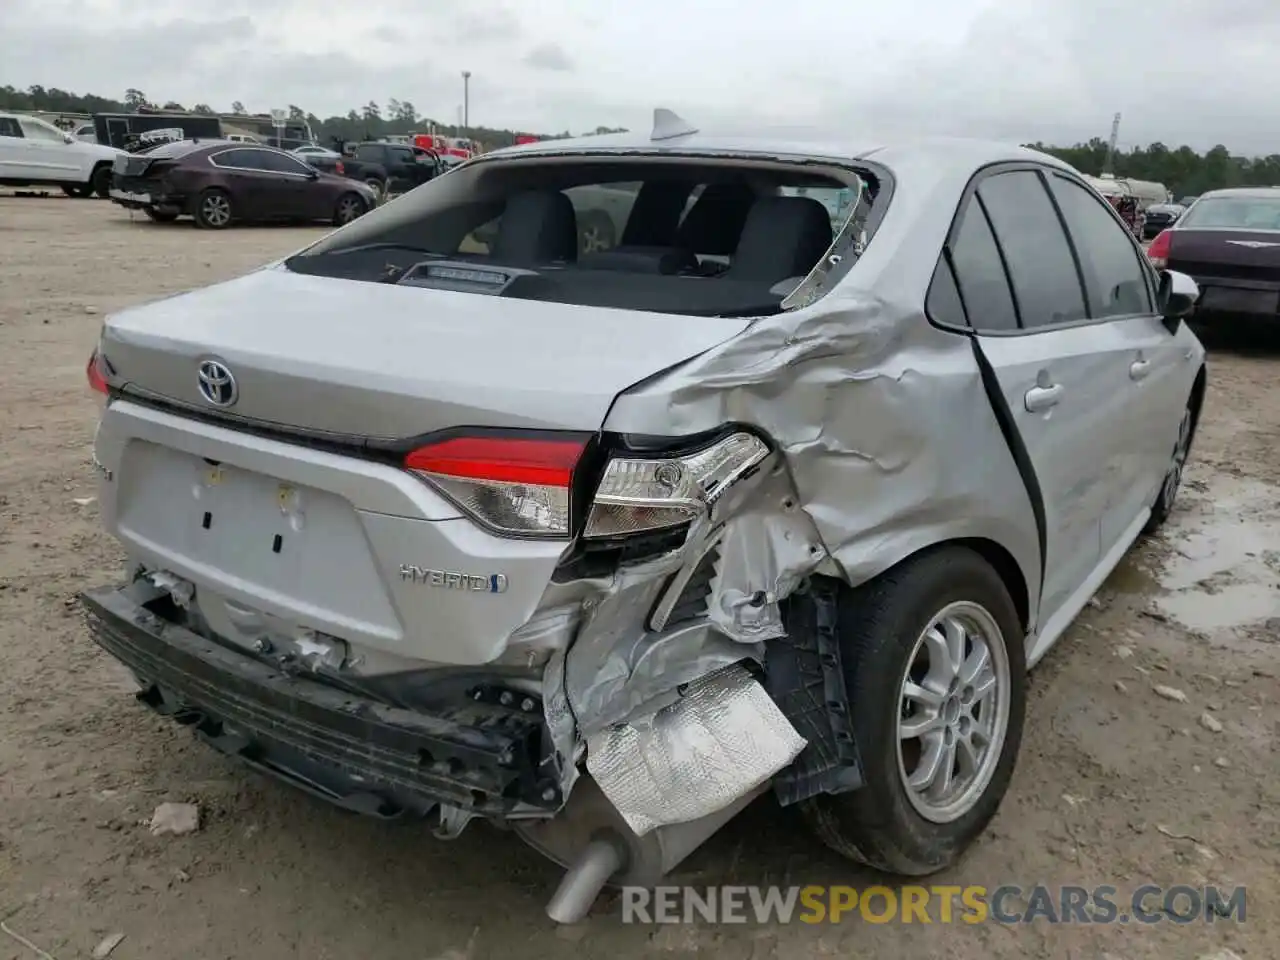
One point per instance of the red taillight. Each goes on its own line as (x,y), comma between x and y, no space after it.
(93,370)
(515,485)
(339,168)
(1158,252)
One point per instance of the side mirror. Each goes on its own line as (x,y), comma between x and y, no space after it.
(1177,296)
(68,138)
(313,174)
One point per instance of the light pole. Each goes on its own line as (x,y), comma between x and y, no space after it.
(466,99)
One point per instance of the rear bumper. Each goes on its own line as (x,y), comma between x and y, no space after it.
(1258,299)
(351,750)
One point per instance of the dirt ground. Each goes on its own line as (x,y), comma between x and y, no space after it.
(1115,785)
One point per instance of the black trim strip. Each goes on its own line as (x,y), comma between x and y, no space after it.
(1018,449)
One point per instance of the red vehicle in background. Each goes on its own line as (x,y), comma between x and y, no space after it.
(449,149)
(526,138)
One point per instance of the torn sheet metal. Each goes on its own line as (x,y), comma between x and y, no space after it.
(763,545)
(721,740)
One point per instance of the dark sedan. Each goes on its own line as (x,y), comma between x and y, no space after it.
(218,183)
(1229,241)
(1160,216)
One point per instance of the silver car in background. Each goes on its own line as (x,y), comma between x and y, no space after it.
(773,494)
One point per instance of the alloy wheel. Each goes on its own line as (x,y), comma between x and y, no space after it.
(953,712)
(216,210)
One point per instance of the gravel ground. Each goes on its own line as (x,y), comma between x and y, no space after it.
(1116,784)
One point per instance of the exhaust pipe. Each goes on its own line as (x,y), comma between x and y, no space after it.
(600,859)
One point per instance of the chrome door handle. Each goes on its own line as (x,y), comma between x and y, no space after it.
(1042,398)
(1139,369)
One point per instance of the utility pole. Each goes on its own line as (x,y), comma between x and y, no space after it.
(1107,166)
(466,99)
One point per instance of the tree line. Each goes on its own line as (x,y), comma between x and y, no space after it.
(368,122)
(1183,170)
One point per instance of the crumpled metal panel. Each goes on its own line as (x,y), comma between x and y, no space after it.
(719,741)
(882,419)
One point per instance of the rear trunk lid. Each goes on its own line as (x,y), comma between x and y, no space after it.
(389,362)
(284,540)
(1226,254)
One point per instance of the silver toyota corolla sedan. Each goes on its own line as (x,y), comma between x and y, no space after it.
(445,515)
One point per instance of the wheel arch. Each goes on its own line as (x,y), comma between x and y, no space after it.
(996,554)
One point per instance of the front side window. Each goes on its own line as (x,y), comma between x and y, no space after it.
(1039,259)
(280,163)
(1114,276)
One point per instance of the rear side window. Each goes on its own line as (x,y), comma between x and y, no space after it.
(943,301)
(980,273)
(9,128)
(401,154)
(1114,276)
(240,159)
(368,152)
(1041,266)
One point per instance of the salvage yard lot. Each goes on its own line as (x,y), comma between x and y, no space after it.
(1116,783)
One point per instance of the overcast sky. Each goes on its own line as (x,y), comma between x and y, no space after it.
(1193,71)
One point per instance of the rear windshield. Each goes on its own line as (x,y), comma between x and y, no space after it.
(698,237)
(1234,213)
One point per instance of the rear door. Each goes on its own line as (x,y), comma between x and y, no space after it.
(1055,391)
(1157,361)
(254,186)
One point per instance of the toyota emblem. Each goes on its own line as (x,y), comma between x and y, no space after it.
(216,383)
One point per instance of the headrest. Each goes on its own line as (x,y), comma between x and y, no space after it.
(783,237)
(714,222)
(537,226)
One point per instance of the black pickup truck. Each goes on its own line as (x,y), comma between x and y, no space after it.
(387,167)
(407,166)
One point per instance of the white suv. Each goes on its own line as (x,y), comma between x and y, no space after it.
(35,153)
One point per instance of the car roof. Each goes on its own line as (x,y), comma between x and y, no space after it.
(809,144)
(1247,193)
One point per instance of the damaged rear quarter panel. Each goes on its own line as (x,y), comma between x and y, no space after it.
(882,419)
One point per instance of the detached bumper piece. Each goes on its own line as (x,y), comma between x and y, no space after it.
(350,750)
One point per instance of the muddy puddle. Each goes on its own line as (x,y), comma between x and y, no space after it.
(1220,568)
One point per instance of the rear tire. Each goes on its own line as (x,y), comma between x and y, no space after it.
(212,209)
(160,216)
(100,182)
(941,635)
(1173,477)
(350,206)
